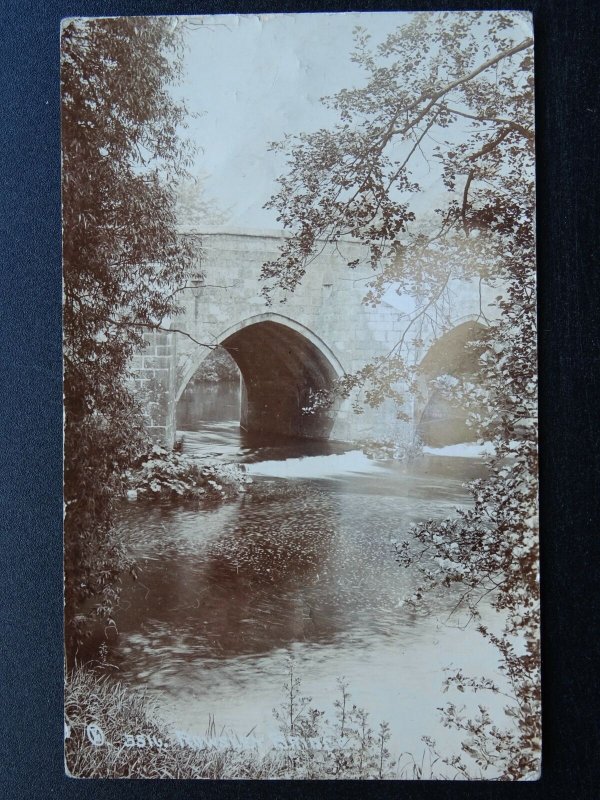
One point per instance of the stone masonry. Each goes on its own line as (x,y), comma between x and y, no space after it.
(296,346)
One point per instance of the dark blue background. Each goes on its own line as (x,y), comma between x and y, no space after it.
(567,41)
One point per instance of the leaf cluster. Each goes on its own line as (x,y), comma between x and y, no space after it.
(169,475)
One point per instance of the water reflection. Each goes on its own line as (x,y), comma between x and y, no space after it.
(299,564)
(208,402)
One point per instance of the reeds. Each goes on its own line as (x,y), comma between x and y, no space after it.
(112,732)
(135,745)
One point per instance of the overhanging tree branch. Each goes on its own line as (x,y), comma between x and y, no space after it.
(161,328)
(433,98)
(516,126)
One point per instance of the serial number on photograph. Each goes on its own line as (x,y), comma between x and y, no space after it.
(97,738)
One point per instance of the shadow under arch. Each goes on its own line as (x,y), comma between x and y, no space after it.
(283,363)
(440,422)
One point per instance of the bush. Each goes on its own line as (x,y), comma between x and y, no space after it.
(318,748)
(170,475)
(391,449)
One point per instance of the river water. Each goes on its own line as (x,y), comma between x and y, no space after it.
(301,564)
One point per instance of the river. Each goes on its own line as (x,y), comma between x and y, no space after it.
(302,564)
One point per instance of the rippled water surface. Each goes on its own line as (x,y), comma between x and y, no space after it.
(302,563)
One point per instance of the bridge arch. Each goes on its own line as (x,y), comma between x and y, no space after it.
(439,421)
(283,363)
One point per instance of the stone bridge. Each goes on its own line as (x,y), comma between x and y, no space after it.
(302,342)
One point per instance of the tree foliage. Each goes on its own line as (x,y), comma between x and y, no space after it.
(456,91)
(431,166)
(123,158)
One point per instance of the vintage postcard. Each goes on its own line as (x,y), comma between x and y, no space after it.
(300,382)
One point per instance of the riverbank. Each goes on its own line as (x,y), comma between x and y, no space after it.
(112,732)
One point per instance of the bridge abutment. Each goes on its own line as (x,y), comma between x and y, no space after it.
(154,382)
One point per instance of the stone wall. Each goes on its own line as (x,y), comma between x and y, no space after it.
(154,377)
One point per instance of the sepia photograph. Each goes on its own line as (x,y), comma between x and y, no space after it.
(300,397)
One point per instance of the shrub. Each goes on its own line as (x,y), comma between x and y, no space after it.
(171,475)
(391,449)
